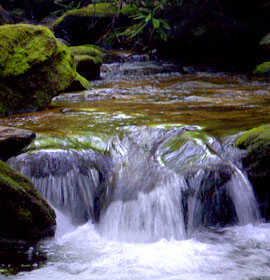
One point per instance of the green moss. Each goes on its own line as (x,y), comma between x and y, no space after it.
(96,10)
(265,42)
(93,142)
(23,213)
(262,69)
(256,139)
(34,67)
(178,141)
(84,82)
(24,46)
(94,59)
(88,49)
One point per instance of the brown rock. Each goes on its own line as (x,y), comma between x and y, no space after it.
(13,140)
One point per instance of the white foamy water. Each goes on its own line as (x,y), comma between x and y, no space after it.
(81,253)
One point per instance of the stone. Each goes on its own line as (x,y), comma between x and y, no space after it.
(262,69)
(256,162)
(88,59)
(24,215)
(34,67)
(13,140)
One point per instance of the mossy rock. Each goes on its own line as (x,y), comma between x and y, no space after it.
(265,42)
(262,69)
(256,161)
(88,49)
(88,25)
(34,67)
(88,59)
(24,215)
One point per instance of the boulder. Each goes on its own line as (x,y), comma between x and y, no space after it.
(87,25)
(256,161)
(13,140)
(265,42)
(262,69)
(24,215)
(88,59)
(4,17)
(34,67)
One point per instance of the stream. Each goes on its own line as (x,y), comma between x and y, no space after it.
(144,178)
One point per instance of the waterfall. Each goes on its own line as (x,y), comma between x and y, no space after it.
(153,183)
(66,178)
(145,202)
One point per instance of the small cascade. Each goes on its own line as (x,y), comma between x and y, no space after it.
(243,198)
(152,183)
(66,178)
(144,201)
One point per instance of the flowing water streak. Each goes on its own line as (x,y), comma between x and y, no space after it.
(67,179)
(144,200)
(241,192)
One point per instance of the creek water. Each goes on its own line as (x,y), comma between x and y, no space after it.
(144,177)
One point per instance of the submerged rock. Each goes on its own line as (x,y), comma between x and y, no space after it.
(256,161)
(13,140)
(34,67)
(24,215)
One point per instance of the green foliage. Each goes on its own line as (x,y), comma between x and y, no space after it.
(66,7)
(148,20)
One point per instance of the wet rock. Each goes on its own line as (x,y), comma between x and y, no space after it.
(34,67)
(256,161)
(24,215)
(88,59)
(265,42)
(13,140)
(262,69)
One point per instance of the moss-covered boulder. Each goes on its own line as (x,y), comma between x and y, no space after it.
(88,59)
(265,42)
(34,67)
(262,69)
(88,25)
(256,161)
(24,215)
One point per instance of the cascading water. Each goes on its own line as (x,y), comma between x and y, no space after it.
(158,200)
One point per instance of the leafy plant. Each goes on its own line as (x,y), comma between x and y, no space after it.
(148,20)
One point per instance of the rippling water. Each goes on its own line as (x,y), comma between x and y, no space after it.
(132,97)
(230,253)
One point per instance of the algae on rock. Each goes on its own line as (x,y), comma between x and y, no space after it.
(256,161)
(262,69)
(24,215)
(88,59)
(34,67)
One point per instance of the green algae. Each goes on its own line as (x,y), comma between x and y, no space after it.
(256,139)
(24,214)
(34,67)
(262,69)
(24,46)
(92,10)
(87,49)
